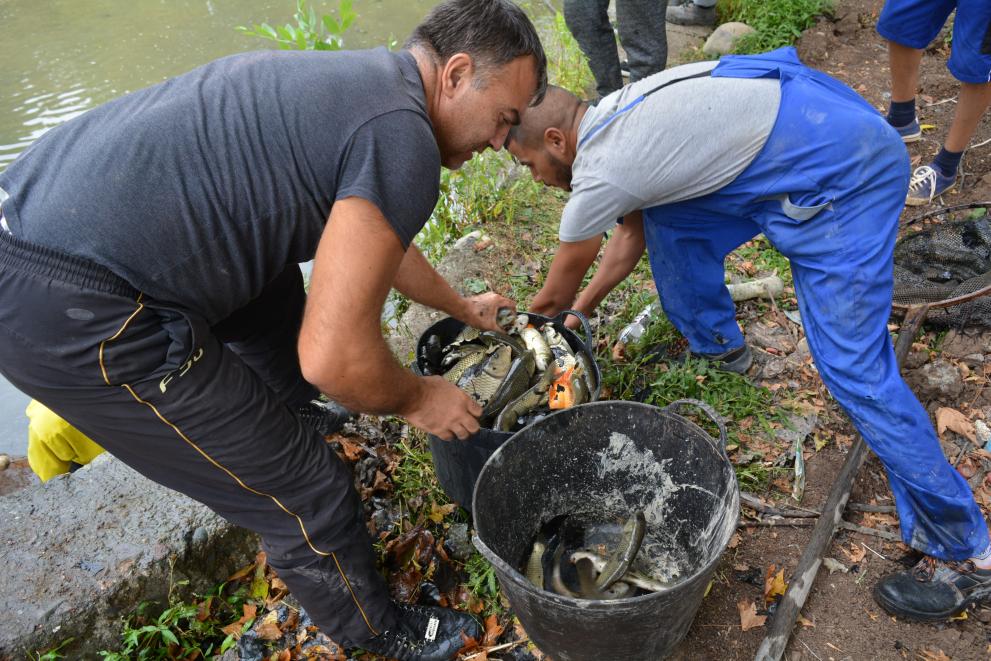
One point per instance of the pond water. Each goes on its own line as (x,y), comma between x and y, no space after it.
(59,58)
(62,57)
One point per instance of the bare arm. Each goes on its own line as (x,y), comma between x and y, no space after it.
(570,264)
(341,349)
(418,280)
(622,253)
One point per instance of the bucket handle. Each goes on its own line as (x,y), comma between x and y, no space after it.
(563,314)
(676,405)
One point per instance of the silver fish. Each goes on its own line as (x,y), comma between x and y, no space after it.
(468,361)
(558,345)
(536,343)
(535,565)
(630,540)
(505,318)
(513,385)
(521,322)
(482,381)
(529,400)
(457,353)
(631,577)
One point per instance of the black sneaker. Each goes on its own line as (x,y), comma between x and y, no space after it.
(425,633)
(933,590)
(324,417)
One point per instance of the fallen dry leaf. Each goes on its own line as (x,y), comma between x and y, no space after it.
(438,512)
(268,628)
(856,552)
(734,541)
(774,584)
(954,420)
(482,244)
(492,631)
(749,619)
(619,352)
(352,449)
(241,573)
(248,613)
(804,621)
(928,655)
(967,468)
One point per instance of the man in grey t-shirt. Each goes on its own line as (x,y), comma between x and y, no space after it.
(150,293)
(699,160)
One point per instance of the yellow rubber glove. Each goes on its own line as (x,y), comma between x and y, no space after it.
(53,443)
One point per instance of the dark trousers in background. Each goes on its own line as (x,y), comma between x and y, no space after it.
(641,31)
(206,411)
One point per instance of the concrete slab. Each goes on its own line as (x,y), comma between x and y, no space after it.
(84,549)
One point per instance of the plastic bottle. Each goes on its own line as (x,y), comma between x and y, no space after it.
(635,330)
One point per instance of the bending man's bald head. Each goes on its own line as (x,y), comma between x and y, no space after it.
(557,110)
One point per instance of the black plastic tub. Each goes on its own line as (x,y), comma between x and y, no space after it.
(458,463)
(603,461)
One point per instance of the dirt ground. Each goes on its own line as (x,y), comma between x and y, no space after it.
(841,619)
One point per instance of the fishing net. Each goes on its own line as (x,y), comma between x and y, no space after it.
(946,261)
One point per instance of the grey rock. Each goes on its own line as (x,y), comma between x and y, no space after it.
(969,342)
(458,541)
(797,428)
(461,263)
(973,360)
(982,432)
(916,359)
(88,547)
(725,37)
(939,380)
(802,352)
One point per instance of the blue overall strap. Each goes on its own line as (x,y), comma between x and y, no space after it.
(780,63)
(784,65)
(629,106)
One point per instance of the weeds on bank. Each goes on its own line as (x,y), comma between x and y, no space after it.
(311,32)
(777,22)
(567,66)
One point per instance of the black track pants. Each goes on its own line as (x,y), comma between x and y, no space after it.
(159,388)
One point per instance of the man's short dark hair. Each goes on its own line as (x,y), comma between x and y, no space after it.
(492,32)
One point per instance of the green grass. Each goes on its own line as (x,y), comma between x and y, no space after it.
(414,478)
(190,626)
(777,22)
(482,583)
(567,66)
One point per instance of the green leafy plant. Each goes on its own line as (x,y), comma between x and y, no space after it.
(567,66)
(777,22)
(51,654)
(483,583)
(311,32)
(184,629)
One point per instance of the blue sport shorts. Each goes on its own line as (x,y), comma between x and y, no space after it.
(915,23)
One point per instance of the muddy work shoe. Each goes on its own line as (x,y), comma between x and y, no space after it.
(425,633)
(933,590)
(736,360)
(689,13)
(324,417)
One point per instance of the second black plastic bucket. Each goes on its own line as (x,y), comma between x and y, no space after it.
(458,463)
(603,461)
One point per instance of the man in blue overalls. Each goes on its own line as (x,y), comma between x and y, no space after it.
(699,160)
